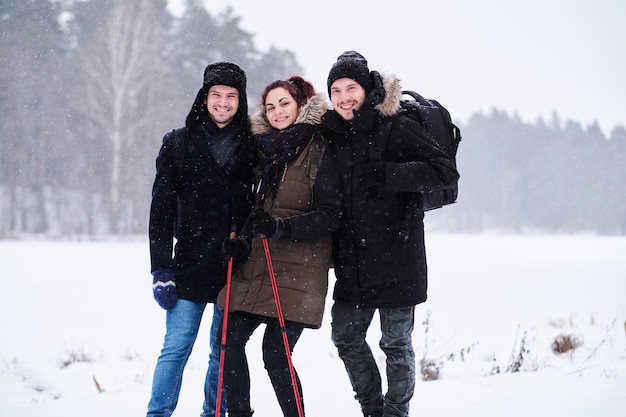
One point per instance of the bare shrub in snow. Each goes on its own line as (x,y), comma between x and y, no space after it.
(75,355)
(565,342)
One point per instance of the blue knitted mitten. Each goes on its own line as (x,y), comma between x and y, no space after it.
(164,288)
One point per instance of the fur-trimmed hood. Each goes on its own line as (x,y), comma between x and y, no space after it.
(311,113)
(393,93)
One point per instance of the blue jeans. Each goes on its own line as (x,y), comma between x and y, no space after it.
(349,329)
(182,324)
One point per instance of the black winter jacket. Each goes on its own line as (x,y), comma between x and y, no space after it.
(200,207)
(374,266)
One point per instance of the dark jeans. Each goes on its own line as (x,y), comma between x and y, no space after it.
(349,328)
(241,325)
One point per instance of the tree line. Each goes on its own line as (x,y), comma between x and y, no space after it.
(543,177)
(88,89)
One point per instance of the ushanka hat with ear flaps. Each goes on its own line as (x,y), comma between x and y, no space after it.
(351,64)
(221,73)
(225,73)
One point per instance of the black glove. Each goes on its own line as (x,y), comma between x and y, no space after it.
(373,174)
(367,117)
(377,95)
(237,248)
(261,223)
(164,288)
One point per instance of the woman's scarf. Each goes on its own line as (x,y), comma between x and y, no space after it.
(277,150)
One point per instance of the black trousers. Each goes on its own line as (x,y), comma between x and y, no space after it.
(241,325)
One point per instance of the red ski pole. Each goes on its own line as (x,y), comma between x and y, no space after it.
(229,273)
(281,321)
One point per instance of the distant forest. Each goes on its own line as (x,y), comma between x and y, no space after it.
(87,90)
(547,177)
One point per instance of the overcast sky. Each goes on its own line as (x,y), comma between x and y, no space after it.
(529,58)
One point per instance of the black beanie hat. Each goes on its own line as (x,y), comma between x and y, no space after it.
(351,64)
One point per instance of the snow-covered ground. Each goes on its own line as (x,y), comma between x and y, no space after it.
(80,332)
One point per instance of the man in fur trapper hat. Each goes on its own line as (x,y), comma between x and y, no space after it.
(378,252)
(221,73)
(202,193)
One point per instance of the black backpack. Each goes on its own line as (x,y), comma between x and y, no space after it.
(178,151)
(436,120)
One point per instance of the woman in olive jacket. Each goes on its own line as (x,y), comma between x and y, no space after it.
(299,207)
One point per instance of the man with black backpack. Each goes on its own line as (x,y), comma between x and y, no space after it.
(201,194)
(386,158)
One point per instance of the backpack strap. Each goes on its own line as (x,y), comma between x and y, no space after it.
(178,151)
(316,153)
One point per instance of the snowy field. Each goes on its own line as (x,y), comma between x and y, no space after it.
(80,332)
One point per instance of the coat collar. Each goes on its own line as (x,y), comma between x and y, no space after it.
(311,113)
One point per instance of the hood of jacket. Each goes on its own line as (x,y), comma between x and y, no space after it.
(311,113)
(393,93)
